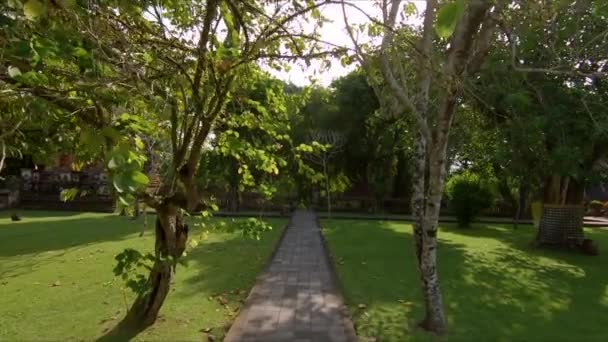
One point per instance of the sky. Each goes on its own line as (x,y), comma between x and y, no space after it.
(335,32)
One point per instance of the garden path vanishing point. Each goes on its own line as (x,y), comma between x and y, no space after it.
(296,298)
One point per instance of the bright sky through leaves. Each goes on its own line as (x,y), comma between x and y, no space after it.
(334,32)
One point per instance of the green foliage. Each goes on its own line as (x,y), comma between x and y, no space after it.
(252,227)
(448,15)
(377,142)
(468,196)
(339,183)
(129,266)
(71,193)
(33,9)
(537,124)
(126,165)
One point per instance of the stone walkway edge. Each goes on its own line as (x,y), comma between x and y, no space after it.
(296,297)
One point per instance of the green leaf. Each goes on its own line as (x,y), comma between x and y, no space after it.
(118,185)
(68,194)
(80,52)
(33,9)
(148,58)
(14,4)
(126,200)
(140,178)
(112,164)
(139,143)
(448,16)
(13,71)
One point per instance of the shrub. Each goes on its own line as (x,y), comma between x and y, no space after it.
(468,196)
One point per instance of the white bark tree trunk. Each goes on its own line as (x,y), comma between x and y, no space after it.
(462,57)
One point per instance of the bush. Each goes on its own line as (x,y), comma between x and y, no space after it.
(468,196)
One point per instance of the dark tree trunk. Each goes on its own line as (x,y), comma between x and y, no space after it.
(234,198)
(522,193)
(503,187)
(403,183)
(561,223)
(171,237)
(136,208)
(563,190)
(522,203)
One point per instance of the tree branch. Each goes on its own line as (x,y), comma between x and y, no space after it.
(12,130)
(3,156)
(210,13)
(393,84)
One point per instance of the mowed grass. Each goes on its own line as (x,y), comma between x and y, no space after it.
(496,286)
(56,280)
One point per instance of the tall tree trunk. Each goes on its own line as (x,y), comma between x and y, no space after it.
(418,194)
(171,237)
(435,313)
(561,223)
(563,190)
(522,202)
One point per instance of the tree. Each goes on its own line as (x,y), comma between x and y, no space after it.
(378,143)
(543,88)
(454,40)
(250,150)
(107,62)
(332,144)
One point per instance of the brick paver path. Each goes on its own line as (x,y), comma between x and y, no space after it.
(296,297)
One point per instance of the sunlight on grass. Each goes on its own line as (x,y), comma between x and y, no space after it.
(496,286)
(57,283)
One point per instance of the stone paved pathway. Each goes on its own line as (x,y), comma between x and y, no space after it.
(296,298)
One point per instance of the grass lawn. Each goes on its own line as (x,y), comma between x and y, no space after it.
(56,280)
(496,286)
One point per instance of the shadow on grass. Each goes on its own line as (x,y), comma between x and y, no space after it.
(40,232)
(221,271)
(495,285)
(225,264)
